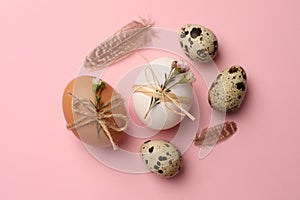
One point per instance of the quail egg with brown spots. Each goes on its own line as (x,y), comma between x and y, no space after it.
(198,42)
(161,157)
(228,89)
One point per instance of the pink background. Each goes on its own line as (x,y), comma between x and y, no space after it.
(42,46)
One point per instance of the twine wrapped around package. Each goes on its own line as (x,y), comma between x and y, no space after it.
(86,109)
(155,90)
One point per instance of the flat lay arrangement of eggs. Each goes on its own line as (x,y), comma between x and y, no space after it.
(161,157)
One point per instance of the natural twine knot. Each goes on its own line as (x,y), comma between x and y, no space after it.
(87,110)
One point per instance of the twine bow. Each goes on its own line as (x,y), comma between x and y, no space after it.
(155,90)
(90,115)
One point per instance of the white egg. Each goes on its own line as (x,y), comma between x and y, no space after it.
(162,116)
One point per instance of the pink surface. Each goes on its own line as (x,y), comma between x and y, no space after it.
(42,46)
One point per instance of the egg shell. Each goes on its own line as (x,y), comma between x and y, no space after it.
(228,90)
(81,87)
(198,42)
(161,157)
(160,117)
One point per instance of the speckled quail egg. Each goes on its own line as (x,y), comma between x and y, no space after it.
(228,89)
(198,43)
(161,157)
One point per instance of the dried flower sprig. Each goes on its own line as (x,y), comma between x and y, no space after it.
(99,105)
(98,88)
(179,69)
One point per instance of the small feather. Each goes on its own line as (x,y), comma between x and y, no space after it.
(212,135)
(123,43)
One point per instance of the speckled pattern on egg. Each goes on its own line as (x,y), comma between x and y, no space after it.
(228,90)
(161,157)
(198,43)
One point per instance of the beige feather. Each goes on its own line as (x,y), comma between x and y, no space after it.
(123,43)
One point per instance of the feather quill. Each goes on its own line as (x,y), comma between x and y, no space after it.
(123,43)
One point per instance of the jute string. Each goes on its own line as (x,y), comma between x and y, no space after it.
(90,115)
